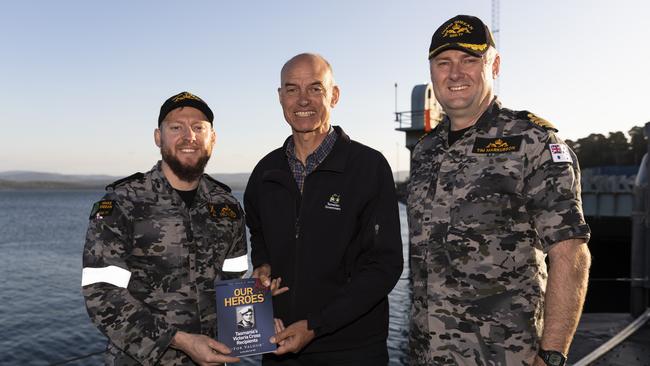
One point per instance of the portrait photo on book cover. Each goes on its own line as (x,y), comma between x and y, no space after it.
(245,317)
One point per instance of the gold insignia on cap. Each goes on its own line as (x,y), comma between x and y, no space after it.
(457,29)
(475,47)
(540,121)
(186,95)
(470,46)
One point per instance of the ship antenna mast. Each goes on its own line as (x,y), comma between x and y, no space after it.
(496,32)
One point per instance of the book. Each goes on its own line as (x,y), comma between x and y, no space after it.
(245,316)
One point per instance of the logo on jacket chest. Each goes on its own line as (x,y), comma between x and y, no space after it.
(497,145)
(334,202)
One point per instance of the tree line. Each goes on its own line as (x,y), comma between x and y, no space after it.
(614,149)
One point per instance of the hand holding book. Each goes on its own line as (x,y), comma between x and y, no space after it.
(202,349)
(293,338)
(245,316)
(263,272)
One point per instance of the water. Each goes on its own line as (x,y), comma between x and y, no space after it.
(43,319)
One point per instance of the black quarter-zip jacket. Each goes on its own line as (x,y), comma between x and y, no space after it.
(337,246)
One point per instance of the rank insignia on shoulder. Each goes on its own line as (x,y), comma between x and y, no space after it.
(560,153)
(124,180)
(541,122)
(497,145)
(101,209)
(223,210)
(423,136)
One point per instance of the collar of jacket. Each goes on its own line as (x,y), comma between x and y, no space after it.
(487,118)
(335,160)
(160,184)
(483,124)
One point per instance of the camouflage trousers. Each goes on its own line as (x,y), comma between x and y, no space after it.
(452,333)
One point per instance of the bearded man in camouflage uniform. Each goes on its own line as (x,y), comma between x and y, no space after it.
(156,243)
(492,192)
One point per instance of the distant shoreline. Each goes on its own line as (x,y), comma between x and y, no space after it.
(6,185)
(27,180)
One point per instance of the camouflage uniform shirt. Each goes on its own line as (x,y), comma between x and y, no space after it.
(173,254)
(482,214)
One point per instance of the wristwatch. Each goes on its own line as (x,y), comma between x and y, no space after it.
(552,358)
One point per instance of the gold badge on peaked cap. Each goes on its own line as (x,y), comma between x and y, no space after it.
(185,99)
(474,47)
(463,33)
(457,28)
(186,95)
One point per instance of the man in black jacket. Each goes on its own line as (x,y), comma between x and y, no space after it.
(323,217)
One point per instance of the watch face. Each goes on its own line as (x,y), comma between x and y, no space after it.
(554,359)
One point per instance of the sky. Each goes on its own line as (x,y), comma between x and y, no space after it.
(82,82)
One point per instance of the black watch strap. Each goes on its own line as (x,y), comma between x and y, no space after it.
(552,358)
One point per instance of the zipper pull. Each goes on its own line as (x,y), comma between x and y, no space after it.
(297,229)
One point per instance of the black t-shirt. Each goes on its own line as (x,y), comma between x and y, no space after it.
(456,135)
(187,196)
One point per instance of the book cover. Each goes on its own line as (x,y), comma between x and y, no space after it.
(244,316)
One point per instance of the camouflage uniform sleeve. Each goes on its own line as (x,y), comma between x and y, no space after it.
(415,211)
(552,187)
(418,188)
(236,263)
(127,323)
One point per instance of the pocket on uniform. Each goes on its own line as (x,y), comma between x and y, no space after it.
(216,243)
(159,243)
(483,214)
(218,230)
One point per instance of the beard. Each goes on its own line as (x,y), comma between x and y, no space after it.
(187,173)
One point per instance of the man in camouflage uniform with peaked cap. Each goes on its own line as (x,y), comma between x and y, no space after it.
(492,193)
(157,242)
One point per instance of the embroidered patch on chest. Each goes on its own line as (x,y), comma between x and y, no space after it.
(334,202)
(497,145)
(223,210)
(560,153)
(101,209)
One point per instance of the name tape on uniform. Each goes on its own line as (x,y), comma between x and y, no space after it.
(497,145)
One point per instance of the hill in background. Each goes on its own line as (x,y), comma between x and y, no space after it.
(41,180)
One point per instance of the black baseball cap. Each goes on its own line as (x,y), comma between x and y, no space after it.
(184,99)
(464,33)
